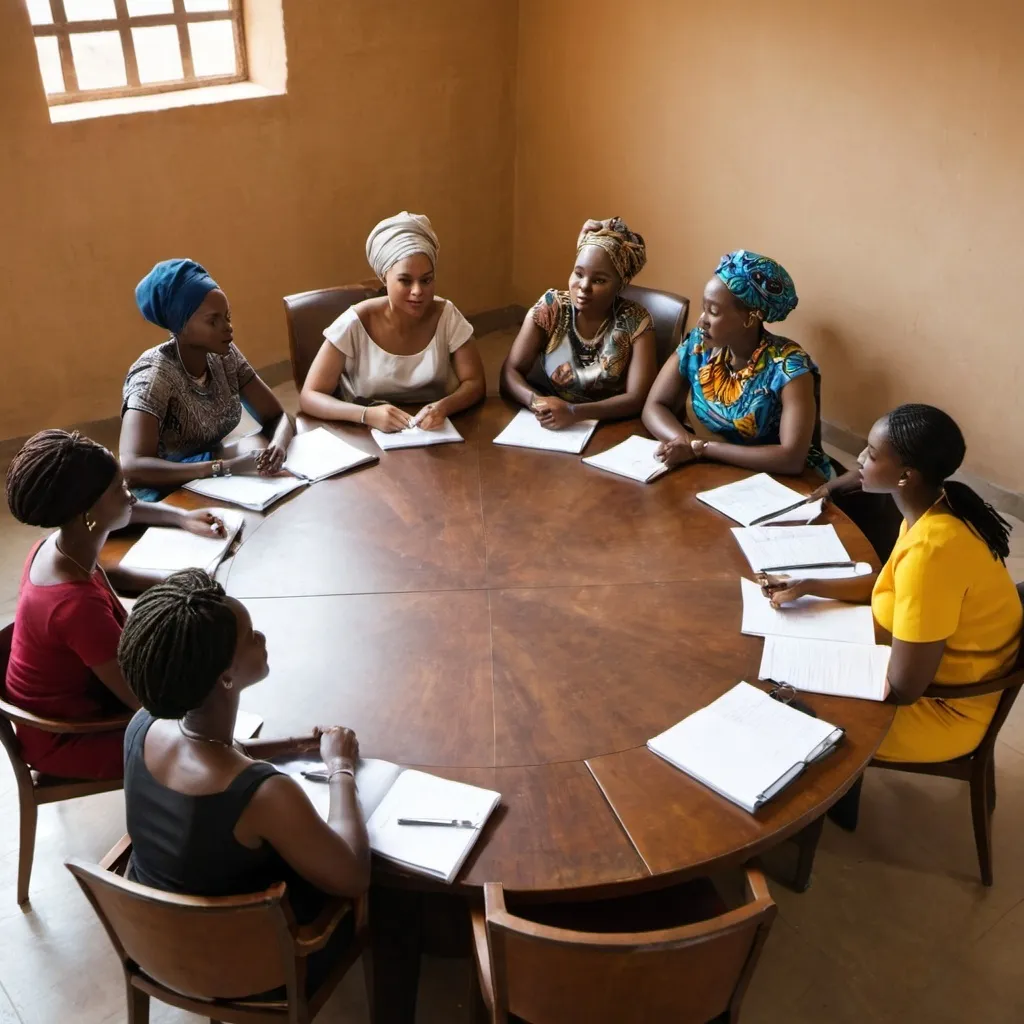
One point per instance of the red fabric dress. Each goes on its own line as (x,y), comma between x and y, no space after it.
(60,632)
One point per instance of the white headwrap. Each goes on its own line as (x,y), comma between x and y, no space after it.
(399,237)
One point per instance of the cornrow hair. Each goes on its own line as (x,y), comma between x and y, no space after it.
(928,440)
(179,639)
(57,476)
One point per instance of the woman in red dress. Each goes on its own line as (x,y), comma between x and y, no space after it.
(68,621)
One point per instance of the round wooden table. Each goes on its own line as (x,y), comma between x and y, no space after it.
(521,621)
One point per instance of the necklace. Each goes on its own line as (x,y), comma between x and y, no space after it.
(189,735)
(202,378)
(71,558)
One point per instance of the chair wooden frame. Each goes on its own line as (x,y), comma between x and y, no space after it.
(295,944)
(35,788)
(493,924)
(668,334)
(337,298)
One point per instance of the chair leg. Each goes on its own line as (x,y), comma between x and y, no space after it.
(138,1004)
(807,845)
(991,784)
(26,852)
(982,816)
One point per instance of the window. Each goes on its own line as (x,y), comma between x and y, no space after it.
(95,49)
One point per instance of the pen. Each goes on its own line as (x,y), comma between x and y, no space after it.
(810,565)
(439,822)
(782,511)
(315,774)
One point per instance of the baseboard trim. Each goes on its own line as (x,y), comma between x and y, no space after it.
(999,497)
(496,319)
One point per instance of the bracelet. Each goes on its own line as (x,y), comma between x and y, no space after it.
(362,419)
(217,467)
(572,410)
(335,772)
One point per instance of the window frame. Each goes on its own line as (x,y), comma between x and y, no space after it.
(123,23)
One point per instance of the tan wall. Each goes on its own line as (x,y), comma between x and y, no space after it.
(875,148)
(390,105)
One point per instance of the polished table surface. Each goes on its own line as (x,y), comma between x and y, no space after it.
(518,620)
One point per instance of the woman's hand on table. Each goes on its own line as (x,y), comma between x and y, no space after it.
(337,744)
(674,453)
(203,523)
(387,418)
(245,464)
(430,417)
(552,413)
(781,590)
(270,460)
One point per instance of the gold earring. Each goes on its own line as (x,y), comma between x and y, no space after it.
(228,685)
(90,523)
(753,317)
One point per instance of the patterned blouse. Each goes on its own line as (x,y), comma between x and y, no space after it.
(585,370)
(745,406)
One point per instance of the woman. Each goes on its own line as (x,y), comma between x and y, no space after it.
(403,347)
(755,391)
(205,818)
(68,620)
(597,350)
(944,596)
(182,398)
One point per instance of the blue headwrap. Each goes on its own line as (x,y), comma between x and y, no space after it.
(171,292)
(760,283)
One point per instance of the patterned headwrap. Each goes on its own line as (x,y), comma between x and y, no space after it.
(625,248)
(171,292)
(396,238)
(760,283)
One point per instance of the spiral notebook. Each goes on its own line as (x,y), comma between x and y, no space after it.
(746,746)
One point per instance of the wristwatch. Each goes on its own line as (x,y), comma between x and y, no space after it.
(220,468)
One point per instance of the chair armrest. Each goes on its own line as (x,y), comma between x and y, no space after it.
(756,885)
(312,937)
(57,725)
(482,955)
(116,859)
(975,689)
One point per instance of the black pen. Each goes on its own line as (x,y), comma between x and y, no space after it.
(783,511)
(439,822)
(810,565)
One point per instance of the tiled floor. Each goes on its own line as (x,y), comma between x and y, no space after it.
(895,928)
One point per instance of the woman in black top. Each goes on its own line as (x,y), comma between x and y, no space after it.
(205,819)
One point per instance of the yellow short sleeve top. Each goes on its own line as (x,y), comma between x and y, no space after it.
(941,582)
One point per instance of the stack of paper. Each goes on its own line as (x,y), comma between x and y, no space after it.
(319,454)
(756,496)
(633,458)
(253,492)
(808,618)
(525,431)
(785,551)
(417,437)
(825,666)
(746,746)
(167,549)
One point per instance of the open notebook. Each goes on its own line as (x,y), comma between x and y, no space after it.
(633,458)
(525,431)
(417,437)
(167,548)
(746,746)
(767,549)
(808,618)
(756,496)
(388,792)
(827,666)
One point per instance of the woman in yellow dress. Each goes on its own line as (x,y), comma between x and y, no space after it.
(944,596)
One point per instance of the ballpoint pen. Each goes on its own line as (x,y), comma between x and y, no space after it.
(809,565)
(783,511)
(439,822)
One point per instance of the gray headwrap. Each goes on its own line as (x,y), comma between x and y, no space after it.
(399,237)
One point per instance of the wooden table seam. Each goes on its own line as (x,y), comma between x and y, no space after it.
(615,814)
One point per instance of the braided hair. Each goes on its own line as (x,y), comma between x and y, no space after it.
(179,639)
(928,440)
(56,477)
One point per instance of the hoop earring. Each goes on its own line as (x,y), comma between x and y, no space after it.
(753,317)
(90,523)
(228,685)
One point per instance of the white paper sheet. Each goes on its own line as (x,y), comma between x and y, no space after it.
(746,500)
(253,492)
(633,458)
(809,618)
(525,431)
(744,745)
(417,437)
(318,454)
(373,780)
(439,852)
(168,548)
(824,666)
(767,546)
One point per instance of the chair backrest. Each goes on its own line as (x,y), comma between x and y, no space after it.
(668,311)
(693,973)
(7,737)
(309,313)
(227,948)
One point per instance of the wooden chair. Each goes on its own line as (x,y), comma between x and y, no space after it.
(552,975)
(208,956)
(668,311)
(978,768)
(34,788)
(309,313)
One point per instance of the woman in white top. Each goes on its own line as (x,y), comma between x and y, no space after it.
(403,347)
